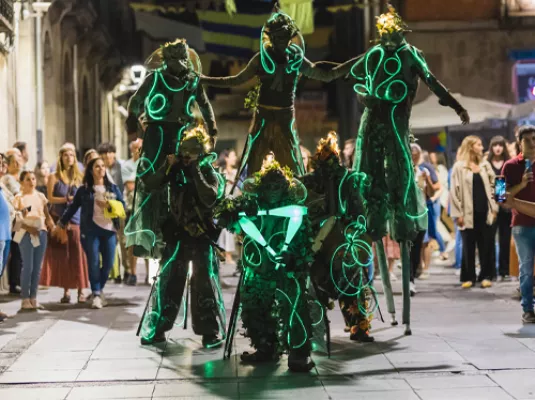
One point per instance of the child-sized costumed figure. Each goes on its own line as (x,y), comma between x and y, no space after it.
(342,248)
(164,102)
(276,255)
(387,77)
(277,67)
(190,236)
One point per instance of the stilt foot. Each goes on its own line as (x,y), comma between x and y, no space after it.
(393,320)
(408,331)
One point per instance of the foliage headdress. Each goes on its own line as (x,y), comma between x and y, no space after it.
(390,22)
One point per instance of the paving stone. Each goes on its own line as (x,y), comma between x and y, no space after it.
(489,393)
(51,361)
(428,362)
(196,389)
(39,376)
(111,392)
(519,383)
(449,382)
(18,393)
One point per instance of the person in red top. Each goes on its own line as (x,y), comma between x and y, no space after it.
(519,177)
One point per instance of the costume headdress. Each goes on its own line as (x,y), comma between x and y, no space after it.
(195,139)
(177,52)
(390,22)
(327,146)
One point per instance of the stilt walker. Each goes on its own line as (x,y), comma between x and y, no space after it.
(277,68)
(387,78)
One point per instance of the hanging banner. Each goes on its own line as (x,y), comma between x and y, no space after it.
(302,12)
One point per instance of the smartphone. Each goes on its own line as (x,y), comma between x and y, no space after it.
(500,189)
(528,164)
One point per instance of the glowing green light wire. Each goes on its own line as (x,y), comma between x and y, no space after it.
(295,314)
(220,302)
(128,233)
(152,162)
(188,105)
(156,311)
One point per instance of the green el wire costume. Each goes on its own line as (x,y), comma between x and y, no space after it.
(277,72)
(387,79)
(275,256)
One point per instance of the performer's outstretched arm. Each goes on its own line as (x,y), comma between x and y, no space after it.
(313,71)
(207,111)
(245,75)
(135,105)
(445,97)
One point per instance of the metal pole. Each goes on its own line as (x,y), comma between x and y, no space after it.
(39,109)
(76,101)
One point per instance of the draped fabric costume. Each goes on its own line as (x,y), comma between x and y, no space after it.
(342,247)
(189,235)
(276,256)
(277,71)
(165,101)
(387,81)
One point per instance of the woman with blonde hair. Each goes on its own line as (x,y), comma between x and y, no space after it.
(65,263)
(474,209)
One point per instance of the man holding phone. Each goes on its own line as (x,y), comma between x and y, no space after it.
(518,174)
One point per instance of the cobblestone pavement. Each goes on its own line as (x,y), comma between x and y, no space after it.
(466,345)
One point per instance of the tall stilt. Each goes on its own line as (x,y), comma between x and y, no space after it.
(406,279)
(385,279)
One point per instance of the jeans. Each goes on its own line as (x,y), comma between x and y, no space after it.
(2,255)
(98,241)
(434,210)
(524,237)
(458,247)
(32,260)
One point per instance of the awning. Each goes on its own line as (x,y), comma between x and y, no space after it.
(430,114)
(161,28)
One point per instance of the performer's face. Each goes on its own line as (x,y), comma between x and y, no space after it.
(280,41)
(391,41)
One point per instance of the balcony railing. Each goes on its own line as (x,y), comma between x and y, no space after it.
(6,15)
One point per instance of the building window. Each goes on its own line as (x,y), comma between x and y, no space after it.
(524,81)
(520,8)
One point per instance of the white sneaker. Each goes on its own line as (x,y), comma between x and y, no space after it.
(393,277)
(412,289)
(103,300)
(97,302)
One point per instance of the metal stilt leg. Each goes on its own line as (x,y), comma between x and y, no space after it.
(385,279)
(406,279)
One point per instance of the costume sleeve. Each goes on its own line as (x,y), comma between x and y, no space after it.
(311,70)
(136,104)
(445,97)
(248,73)
(456,196)
(155,181)
(206,110)
(207,185)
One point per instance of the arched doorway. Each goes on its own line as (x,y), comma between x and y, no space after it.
(68,100)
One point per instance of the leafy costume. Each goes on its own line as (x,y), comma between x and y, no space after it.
(189,235)
(277,67)
(164,100)
(276,256)
(387,78)
(342,248)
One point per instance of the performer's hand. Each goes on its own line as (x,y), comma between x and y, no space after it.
(172,160)
(465,118)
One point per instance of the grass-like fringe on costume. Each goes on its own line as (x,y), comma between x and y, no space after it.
(276,256)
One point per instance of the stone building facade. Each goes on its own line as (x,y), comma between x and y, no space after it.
(468,46)
(84,49)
